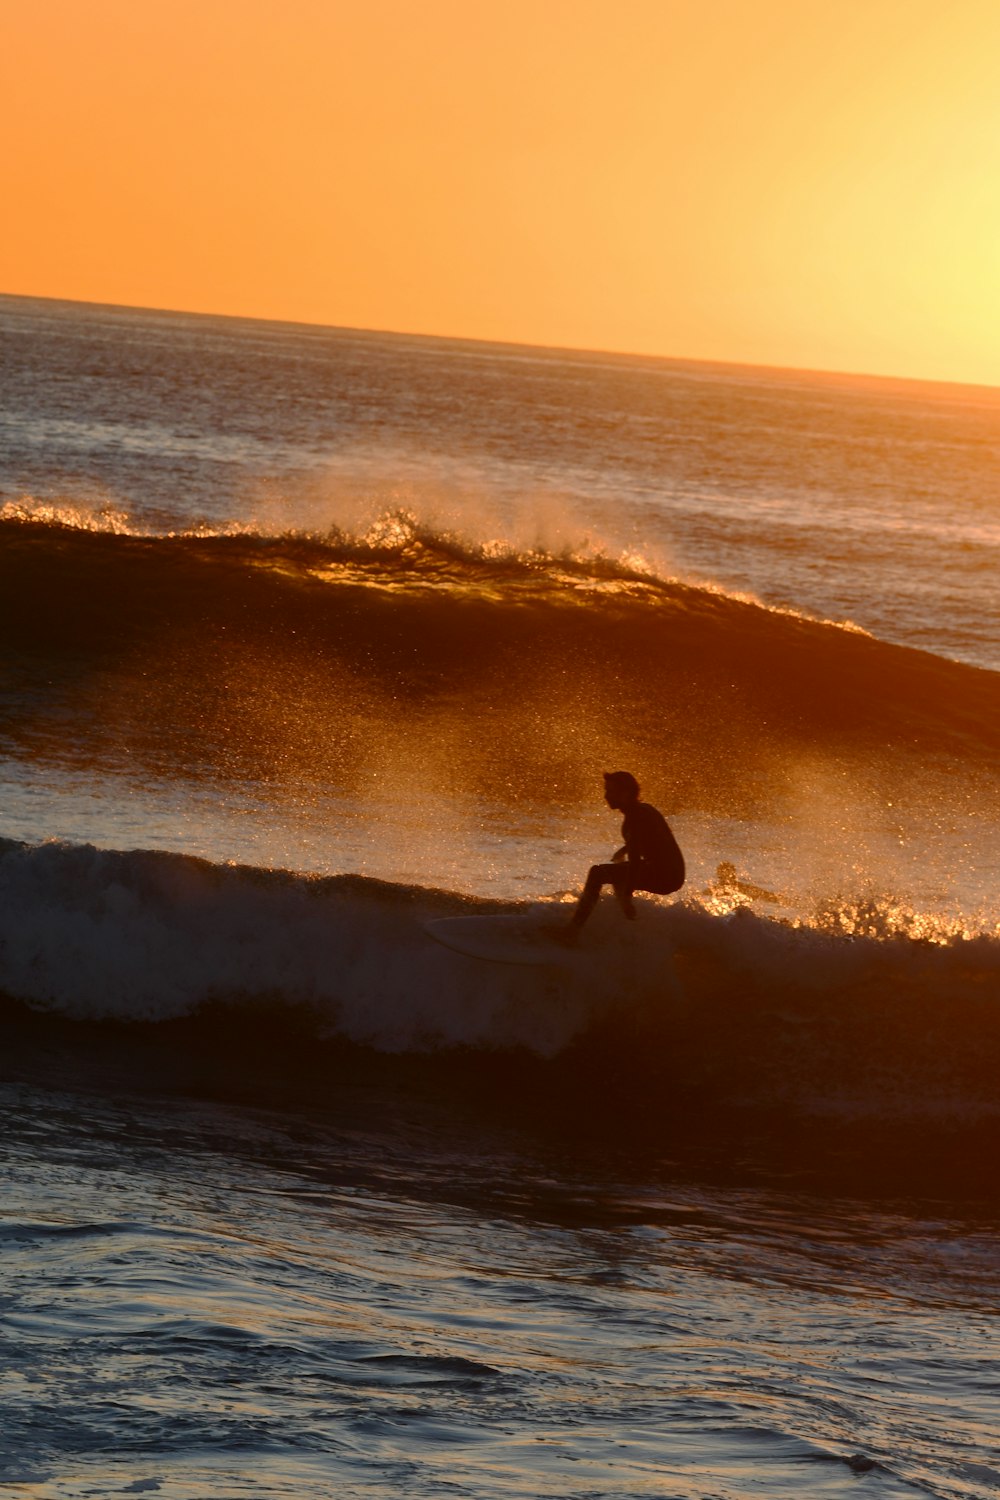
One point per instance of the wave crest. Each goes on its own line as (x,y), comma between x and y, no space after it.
(401,534)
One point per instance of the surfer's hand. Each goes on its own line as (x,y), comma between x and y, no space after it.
(618,856)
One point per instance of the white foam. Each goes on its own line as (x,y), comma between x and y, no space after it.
(96,934)
(144,936)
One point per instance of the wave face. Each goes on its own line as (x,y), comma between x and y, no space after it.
(858,1012)
(272,656)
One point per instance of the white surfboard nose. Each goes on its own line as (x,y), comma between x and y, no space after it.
(500,939)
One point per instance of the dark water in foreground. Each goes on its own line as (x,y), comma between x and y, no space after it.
(310,636)
(343,1278)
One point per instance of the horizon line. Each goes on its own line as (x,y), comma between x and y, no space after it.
(565,349)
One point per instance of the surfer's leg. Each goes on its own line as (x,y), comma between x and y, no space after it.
(618,877)
(624,890)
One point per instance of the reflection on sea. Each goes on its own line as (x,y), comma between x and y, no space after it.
(384,1292)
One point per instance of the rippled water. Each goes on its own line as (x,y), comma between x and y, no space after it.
(215,1300)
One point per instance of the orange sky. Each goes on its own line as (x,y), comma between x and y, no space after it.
(798,182)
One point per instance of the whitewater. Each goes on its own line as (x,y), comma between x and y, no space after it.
(311,636)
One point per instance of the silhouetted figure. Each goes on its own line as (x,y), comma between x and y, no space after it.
(649,859)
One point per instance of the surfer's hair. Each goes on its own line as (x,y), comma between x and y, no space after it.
(621,781)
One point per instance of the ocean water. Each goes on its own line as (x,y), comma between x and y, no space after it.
(310,635)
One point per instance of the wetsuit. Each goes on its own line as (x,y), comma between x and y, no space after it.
(653,862)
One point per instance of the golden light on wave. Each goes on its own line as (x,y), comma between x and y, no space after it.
(396,550)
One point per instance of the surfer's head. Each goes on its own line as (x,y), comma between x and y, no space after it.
(620,789)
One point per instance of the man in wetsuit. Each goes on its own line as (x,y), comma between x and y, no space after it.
(649,859)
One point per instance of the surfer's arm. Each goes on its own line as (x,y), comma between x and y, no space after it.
(619,855)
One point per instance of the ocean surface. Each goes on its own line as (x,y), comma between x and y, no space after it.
(311,635)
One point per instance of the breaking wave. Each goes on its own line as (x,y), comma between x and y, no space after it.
(228,625)
(874,1013)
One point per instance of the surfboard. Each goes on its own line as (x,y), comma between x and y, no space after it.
(499,940)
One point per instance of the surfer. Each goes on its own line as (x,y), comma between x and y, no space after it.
(649,859)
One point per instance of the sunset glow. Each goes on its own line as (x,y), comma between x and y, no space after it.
(812,183)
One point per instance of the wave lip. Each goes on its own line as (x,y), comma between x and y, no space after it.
(436,552)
